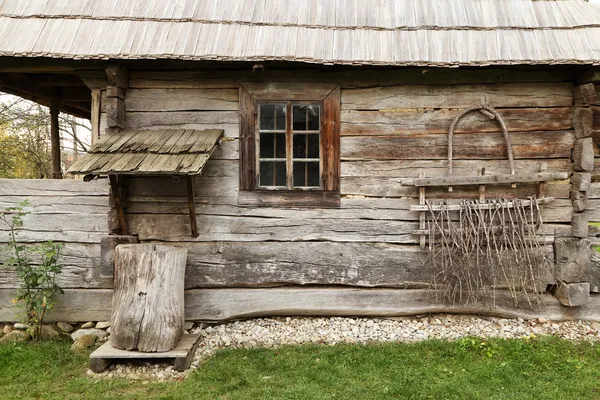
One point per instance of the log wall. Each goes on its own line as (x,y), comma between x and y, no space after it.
(392,129)
(394,125)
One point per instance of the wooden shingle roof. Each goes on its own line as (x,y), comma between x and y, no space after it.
(362,32)
(150,152)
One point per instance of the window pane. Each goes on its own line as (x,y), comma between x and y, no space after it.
(299,118)
(267,145)
(272,117)
(299,146)
(272,145)
(306,173)
(314,121)
(273,173)
(306,117)
(306,146)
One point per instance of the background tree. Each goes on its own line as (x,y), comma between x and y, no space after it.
(25,139)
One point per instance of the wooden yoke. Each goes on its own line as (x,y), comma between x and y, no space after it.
(492,114)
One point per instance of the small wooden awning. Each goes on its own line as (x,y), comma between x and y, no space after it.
(146,153)
(150,152)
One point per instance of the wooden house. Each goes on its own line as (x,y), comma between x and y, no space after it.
(288,145)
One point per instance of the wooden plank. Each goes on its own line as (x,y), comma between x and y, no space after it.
(174,228)
(68,204)
(289,199)
(438,168)
(199,120)
(557,144)
(215,305)
(392,187)
(268,264)
(348,78)
(416,121)
(146,100)
(488,179)
(484,206)
(289,91)
(80,263)
(584,94)
(459,96)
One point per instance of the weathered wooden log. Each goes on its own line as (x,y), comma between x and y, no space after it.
(148,303)
(585,94)
(583,154)
(583,118)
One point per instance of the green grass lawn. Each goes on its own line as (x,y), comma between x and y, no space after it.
(465,369)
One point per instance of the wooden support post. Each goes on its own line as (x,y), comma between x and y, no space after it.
(118,80)
(421,214)
(482,188)
(55,140)
(116,194)
(192,205)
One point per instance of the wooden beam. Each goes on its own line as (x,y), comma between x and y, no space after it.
(487,179)
(192,205)
(116,194)
(77,305)
(55,140)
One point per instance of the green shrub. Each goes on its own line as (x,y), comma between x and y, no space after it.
(38,288)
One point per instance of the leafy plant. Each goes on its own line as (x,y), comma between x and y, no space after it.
(38,289)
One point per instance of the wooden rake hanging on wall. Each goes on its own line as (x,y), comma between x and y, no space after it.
(481,179)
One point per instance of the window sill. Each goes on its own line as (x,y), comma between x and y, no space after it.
(275,198)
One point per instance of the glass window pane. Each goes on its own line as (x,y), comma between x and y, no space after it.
(272,117)
(314,120)
(306,145)
(313,145)
(280,117)
(273,173)
(267,145)
(280,145)
(313,174)
(306,174)
(267,117)
(299,146)
(299,115)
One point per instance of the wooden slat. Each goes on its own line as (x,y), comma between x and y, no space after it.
(487,179)
(484,206)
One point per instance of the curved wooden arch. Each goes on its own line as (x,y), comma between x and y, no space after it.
(492,114)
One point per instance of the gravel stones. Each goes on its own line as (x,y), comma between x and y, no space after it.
(88,325)
(48,332)
(7,329)
(103,325)
(15,337)
(83,342)
(64,327)
(98,333)
(20,326)
(275,332)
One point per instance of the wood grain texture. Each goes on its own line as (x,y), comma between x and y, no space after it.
(216,305)
(399,121)
(459,96)
(179,100)
(80,263)
(485,146)
(148,302)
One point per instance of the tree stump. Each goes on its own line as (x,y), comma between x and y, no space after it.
(148,302)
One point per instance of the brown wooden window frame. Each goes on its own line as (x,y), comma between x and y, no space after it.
(328,97)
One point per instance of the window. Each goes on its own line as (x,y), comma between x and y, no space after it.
(289,144)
